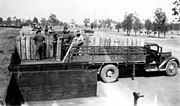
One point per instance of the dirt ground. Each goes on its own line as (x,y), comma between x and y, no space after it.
(158,89)
(7,42)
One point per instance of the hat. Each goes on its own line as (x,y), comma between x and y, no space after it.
(78,31)
(65,27)
(38,31)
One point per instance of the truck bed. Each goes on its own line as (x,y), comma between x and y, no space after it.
(45,61)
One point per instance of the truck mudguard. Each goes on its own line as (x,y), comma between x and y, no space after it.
(163,65)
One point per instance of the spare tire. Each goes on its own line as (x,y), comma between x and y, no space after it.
(172,68)
(109,73)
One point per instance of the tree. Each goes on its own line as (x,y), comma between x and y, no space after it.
(1,20)
(53,20)
(127,23)
(161,21)
(73,22)
(43,21)
(95,23)
(86,22)
(176,10)
(154,27)
(9,21)
(137,25)
(35,20)
(27,22)
(148,25)
(108,22)
(118,26)
(102,24)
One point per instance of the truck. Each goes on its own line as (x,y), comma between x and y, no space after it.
(107,58)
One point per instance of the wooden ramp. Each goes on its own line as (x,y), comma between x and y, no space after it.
(50,85)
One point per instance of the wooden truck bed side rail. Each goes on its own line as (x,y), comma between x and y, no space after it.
(108,54)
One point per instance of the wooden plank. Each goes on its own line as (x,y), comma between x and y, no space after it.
(57,88)
(59,48)
(47,41)
(116,41)
(53,85)
(43,81)
(52,79)
(23,47)
(33,48)
(57,96)
(18,45)
(28,47)
(51,46)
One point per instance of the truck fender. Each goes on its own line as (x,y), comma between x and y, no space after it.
(103,64)
(163,65)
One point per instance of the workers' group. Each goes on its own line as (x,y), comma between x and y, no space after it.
(39,39)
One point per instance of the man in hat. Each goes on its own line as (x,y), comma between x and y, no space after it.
(51,30)
(39,42)
(67,39)
(46,30)
(65,30)
(78,40)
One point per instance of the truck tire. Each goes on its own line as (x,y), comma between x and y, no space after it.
(172,68)
(109,73)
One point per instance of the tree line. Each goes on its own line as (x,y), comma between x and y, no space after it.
(132,22)
(14,21)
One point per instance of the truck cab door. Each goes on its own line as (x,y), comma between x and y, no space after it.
(152,57)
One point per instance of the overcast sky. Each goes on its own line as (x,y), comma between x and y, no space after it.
(66,10)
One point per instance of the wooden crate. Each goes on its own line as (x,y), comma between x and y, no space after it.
(114,41)
(27,49)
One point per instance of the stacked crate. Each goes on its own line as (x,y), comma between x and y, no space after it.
(111,49)
(26,45)
(114,41)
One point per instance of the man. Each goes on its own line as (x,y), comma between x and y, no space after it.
(65,30)
(79,39)
(67,39)
(39,42)
(46,30)
(51,30)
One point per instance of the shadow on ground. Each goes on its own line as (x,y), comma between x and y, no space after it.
(139,73)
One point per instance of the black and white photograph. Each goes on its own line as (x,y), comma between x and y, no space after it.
(89,52)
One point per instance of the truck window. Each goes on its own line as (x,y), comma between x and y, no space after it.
(155,48)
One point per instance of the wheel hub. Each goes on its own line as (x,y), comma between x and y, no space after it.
(110,73)
(171,68)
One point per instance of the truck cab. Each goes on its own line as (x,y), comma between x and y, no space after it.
(156,60)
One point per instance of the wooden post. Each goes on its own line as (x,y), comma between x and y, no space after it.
(133,71)
(59,48)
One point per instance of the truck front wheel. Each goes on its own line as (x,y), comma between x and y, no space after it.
(172,68)
(109,73)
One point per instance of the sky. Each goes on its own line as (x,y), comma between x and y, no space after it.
(66,10)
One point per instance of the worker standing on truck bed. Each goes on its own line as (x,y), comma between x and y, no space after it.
(78,40)
(46,30)
(39,42)
(51,30)
(67,39)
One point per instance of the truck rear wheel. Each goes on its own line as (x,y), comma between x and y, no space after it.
(172,68)
(109,73)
